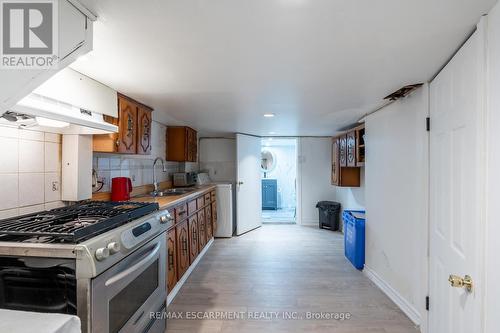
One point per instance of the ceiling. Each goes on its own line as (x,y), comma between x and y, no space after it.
(219,65)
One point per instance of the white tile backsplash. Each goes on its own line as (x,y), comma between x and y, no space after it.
(52,157)
(53,205)
(31,189)
(5,214)
(138,168)
(31,156)
(30,168)
(52,187)
(10,155)
(53,137)
(31,135)
(9,196)
(31,209)
(9,132)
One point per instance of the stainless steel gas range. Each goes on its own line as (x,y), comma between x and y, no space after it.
(102,261)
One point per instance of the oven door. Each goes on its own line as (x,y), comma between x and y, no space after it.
(125,296)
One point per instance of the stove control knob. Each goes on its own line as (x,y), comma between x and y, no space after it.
(101,253)
(114,247)
(166,218)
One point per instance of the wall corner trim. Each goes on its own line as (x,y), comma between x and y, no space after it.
(401,302)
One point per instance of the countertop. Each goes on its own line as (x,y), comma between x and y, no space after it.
(173,200)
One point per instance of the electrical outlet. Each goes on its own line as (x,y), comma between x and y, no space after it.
(55,186)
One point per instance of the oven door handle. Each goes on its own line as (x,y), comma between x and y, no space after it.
(152,253)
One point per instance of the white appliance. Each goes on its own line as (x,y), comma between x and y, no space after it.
(68,103)
(226,224)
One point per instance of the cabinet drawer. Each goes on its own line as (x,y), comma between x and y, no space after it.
(191,207)
(212,196)
(180,213)
(200,202)
(207,198)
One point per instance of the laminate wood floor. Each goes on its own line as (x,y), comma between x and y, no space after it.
(278,271)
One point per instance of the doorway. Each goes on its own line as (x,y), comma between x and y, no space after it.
(279,180)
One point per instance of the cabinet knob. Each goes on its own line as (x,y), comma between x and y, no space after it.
(117,142)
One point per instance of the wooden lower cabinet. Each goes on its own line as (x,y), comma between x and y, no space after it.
(195,225)
(182,248)
(208,221)
(193,238)
(202,229)
(172,259)
(214,217)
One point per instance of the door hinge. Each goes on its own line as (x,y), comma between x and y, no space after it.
(428,124)
(427,303)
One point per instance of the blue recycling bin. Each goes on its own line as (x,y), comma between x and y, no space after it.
(354,237)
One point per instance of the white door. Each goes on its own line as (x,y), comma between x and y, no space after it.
(456,177)
(248,183)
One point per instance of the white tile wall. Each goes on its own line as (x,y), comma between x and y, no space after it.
(30,171)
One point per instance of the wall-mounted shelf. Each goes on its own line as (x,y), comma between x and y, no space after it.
(348,156)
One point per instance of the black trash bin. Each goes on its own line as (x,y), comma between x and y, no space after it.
(329,215)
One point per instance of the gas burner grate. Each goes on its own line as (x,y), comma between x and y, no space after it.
(73,223)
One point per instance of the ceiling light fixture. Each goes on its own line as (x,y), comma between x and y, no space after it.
(269,115)
(45,122)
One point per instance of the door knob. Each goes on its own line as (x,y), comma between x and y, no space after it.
(240,183)
(459,282)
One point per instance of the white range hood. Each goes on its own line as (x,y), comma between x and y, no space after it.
(68,103)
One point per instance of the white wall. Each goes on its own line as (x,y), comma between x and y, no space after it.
(218,157)
(492,249)
(396,224)
(30,171)
(314,177)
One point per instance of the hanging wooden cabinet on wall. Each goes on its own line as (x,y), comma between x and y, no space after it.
(348,155)
(134,130)
(182,144)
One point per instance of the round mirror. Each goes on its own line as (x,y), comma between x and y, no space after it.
(268,161)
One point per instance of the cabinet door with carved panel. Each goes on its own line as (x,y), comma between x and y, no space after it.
(182,248)
(214,217)
(342,150)
(351,149)
(208,222)
(335,162)
(171,259)
(144,131)
(202,229)
(127,131)
(191,145)
(193,237)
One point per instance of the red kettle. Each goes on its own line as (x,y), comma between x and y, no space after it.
(121,188)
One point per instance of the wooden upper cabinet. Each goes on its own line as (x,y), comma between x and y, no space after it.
(127,128)
(351,148)
(335,162)
(144,122)
(182,144)
(343,150)
(134,129)
(348,155)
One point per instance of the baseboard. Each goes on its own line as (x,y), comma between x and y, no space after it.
(309,222)
(401,302)
(171,295)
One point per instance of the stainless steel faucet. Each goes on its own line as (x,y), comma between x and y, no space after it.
(155,183)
